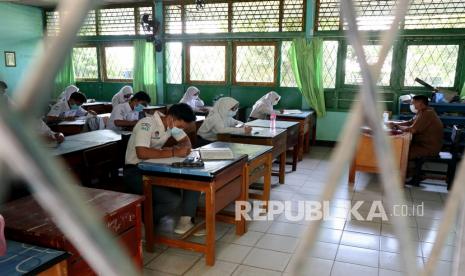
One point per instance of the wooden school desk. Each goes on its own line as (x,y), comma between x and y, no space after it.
(263,136)
(69,127)
(27,222)
(365,159)
(98,107)
(307,123)
(22,258)
(258,165)
(221,181)
(292,135)
(74,147)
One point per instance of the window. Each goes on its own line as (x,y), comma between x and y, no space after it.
(85,63)
(329,63)
(240,16)
(206,63)
(257,16)
(173,62)
(141,11)
(435,14)
(89,27)
(53,22)
(352,69)
(212,19)
(119,62)
(435,64)
(255,64)
(117,21)
(287,75)
(378,15)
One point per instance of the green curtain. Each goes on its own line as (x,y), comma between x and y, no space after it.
(64,78)
(307,65)
(144,69)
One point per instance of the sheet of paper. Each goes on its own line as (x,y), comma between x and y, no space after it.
(167,161)
(216,154)
(291,111)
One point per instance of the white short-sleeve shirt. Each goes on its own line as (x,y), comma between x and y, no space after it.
(62,109)
(122,112)
(149,132)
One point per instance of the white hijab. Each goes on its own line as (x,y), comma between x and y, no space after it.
(190,99)
(64,96)
(119,98)
(222,108)
(264,105)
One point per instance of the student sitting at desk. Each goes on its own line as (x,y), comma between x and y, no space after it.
(147,142)
(64,96)
(221,120)
(427,133)
(123,96)
(191,97)
(126,115)
(68,110)
(264,106)
(50,135)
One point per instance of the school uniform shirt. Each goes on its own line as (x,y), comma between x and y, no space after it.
(218,120)
(44,130)
(264,106)
(62,109)
(193,101)
(122,112)
(149,132)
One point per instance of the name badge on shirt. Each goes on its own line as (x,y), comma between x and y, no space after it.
(156,135)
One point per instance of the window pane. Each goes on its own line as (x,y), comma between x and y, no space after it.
(142,11)
(119,62)
(258,16)
(328,15)
(117,21)
(207,63)
(329,63)
(255,63)
(435,14)
(173,62)
(352,68)
(172,17)
(287,75)
(52,21)
(293,15)
(212,19)
(435,64)
(85,62)
(89,27)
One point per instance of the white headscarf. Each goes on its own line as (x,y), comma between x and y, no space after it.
(119,98)
(264,106)
(218,120)
(64,96)
(222,107)
(193,101)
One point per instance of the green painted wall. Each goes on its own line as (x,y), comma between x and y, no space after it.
(330,126)
(21,31)
(101,91)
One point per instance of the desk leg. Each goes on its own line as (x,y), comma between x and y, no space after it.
(352,173)
(210,226)
(314,131)
(282,167)
(267,181)
(301,143)
(148,216)
(295,156)
(139,257)
(241,226)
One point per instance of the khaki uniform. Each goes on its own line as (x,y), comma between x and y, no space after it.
(427,131)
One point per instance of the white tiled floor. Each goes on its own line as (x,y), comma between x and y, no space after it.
(345,246)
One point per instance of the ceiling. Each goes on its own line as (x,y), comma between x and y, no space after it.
(52,3)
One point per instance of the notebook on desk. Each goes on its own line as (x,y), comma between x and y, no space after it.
(216,153)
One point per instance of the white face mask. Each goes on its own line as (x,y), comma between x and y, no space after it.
(413,109)
(232,113)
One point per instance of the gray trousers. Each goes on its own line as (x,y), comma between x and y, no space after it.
(165,200)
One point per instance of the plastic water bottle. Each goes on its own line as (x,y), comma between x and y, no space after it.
(273,121)
(385,117)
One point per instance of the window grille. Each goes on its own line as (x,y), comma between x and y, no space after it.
(352,68)
(255,64)
(52,19)
(287,75)
(262,16)
(293,16)
(89,27)
(212,19)
(435,64)
(206,63)
(119,61)
(119,21)
(330,49)
(85,63)
(172,17)
(434,14)
(141,11)
(173,62)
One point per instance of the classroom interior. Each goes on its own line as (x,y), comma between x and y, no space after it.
(276,193)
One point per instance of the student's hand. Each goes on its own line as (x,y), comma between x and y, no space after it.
(247,129)
(181,151)
(91,112)
(70,118)
(59,137)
